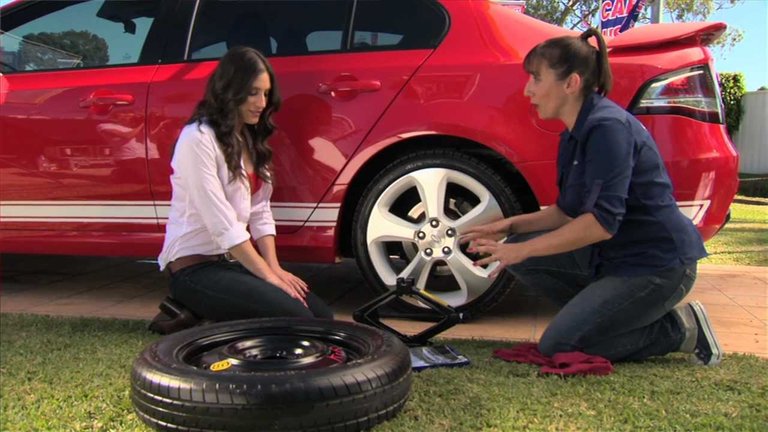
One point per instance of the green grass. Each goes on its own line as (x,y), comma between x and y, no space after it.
(72,374)
(744,240)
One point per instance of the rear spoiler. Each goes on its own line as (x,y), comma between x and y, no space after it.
(654,35)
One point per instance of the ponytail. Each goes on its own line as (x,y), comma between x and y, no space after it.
(604,77)
(568,54)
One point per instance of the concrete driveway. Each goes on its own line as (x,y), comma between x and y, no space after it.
(736,297)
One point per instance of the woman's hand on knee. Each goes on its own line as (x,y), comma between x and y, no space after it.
(293,281)
(289,289)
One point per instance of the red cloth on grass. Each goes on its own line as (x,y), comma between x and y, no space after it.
(567,363)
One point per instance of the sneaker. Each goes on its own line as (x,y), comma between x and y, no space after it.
(708,351)
(687,322)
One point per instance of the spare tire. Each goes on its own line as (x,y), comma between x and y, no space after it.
(286,374)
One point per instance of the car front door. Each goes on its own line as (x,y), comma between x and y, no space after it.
(72,116)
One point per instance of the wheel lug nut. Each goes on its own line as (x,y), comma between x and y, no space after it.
(434,223)
(428,252)
(446,250)
(450,232)
(421,235)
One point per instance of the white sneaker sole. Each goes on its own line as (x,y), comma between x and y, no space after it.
(703,320)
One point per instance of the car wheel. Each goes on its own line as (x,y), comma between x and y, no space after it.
(409,222)
(272,374)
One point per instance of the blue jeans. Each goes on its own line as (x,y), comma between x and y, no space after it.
(621,318)
(223,291)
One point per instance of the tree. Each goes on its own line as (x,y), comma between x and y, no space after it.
(572,14)
(732,89)
(580,14)
(700,10)
(69,48)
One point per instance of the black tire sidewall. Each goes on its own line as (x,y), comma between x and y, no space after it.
(166,390)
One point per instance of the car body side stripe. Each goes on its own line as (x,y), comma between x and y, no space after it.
(144,212)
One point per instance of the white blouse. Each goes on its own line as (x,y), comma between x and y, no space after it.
(209,214)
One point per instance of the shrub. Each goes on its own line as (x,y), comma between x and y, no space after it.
(753,185)
(732,88)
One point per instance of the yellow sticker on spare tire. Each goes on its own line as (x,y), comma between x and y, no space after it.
(220,365)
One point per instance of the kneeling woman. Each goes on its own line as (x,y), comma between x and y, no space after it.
(614,251)
(222,184)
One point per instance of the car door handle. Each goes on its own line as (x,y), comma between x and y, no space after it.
(101,99)
(359,86)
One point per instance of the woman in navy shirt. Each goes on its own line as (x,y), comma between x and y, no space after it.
(614,251)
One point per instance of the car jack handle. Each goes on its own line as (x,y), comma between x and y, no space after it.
(369,314)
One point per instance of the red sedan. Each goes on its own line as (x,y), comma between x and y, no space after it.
(402,123)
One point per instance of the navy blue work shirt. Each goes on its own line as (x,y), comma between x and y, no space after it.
(609,165)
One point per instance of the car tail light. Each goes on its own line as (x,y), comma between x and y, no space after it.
(690,92)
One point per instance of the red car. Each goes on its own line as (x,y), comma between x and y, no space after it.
(401,124)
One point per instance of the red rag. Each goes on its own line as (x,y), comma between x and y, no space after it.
(568,363)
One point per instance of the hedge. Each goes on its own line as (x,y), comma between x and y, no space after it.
(732,88)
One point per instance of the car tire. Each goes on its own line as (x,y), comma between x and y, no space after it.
(272,374)
(451,190)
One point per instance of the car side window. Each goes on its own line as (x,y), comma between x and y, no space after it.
(70,35)
(276,28)
(379,25)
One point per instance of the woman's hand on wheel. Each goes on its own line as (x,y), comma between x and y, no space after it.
(491,231)
(506,254)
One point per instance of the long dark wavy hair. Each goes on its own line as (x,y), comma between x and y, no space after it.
(573,54)
(227,89)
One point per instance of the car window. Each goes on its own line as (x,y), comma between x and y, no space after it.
(67,35)
(276,28)
(325,40)
(379,24)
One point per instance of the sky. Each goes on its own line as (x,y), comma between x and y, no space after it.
(750,56)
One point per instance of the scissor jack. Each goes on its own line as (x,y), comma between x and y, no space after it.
(424,353)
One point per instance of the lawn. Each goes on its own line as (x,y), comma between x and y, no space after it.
(67,374)
(72,374)
(744,240)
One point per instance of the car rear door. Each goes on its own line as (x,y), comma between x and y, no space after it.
(72,117)
(336,78)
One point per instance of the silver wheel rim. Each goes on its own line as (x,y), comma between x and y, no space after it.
(429,247)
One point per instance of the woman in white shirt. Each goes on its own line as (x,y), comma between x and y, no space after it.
(222,183)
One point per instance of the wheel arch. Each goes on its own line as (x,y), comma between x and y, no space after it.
(375,164)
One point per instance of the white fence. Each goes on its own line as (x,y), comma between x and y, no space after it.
(751,140)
